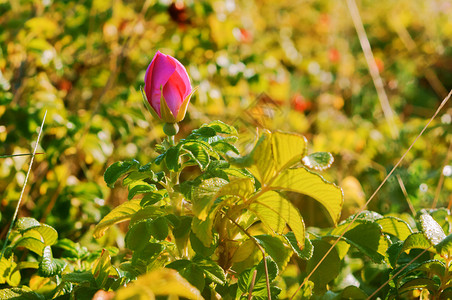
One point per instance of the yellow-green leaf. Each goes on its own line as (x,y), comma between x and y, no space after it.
(395,227)
(275,151)
(119,214)
(303,181)
(275,212)
(31,244)
(162,282)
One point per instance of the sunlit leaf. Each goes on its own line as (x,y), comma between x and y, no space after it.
(431,229)
(444,248)
(119,214)
(118,169)
(31,244)
(102,268)
(302,181)
(395,227)
(24,293)
(204,195)
(275,212)
(306,252)
(162,282)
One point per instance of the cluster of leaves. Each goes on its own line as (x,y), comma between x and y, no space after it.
(205,221)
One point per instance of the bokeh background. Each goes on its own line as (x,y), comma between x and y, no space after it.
(282,65)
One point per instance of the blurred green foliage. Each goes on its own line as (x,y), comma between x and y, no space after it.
(288,65)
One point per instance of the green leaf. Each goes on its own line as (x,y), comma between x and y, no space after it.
(241,187)
(138,176)
(275,249)
(260,284)
(308,249)
(161,282)
(275,212)
(172,159)
(9,273)
(431,229)
(204,195)
(28,265)
(416,240)
(48,266)
(24,293)
(431,267)
(303,181)
(353,292)
(199,247)
(328,269)
(137,236)
(31,244)
(26,223)
(102,269)
(119,214)
(444,248)
(275,151)
(212,270)
(366,238)
(152,198)
(221,127)
(318,160)
(190,271)
(224,147)
(80,278)
(119,169)
(158,228)
(141,188)
(419,283)
(198,153)
(395,227)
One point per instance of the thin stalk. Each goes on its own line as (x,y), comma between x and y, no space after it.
(253,281)
(373,68)
(263,255)
(23,187)
(22,154)
(402,187)
(375,193)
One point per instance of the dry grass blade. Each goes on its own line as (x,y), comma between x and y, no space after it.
(23,187)
(373,68)
(376,191)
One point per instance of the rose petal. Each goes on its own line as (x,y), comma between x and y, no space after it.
(158,73)
(180,69)
(173,93)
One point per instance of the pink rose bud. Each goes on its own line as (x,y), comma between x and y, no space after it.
(167,88)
